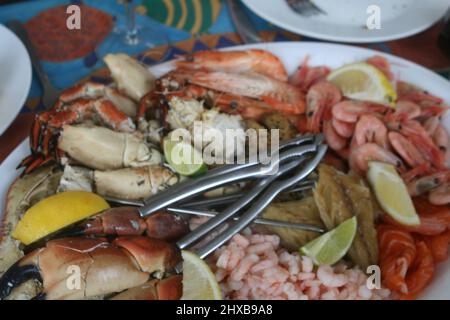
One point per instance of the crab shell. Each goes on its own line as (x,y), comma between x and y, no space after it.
(23,192)
(79,268)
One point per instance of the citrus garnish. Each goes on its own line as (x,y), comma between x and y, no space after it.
(332,246)
(56,212)
(391,193)
(362,81)
(199,282)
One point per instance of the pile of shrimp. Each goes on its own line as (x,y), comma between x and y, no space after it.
(253,266)
(408,255)
(409,136)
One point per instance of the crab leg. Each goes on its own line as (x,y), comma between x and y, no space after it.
(93,90)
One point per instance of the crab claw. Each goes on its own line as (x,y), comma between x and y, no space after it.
(17,274)
(153,256)
(165,289)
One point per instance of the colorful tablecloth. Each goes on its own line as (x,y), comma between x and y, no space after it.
(191,25)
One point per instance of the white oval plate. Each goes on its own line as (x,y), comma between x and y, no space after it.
(15,77)
(292,54)
(346,21)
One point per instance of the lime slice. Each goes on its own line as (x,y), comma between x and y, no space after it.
(391,193)
(362,81)
(183,157)
(332,246)
(199,282)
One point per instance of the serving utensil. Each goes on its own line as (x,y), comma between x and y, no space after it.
(305,8)
(221,176)
(50,94)
(256,208)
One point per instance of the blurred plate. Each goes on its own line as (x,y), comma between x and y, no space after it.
(15,76)
(346,22)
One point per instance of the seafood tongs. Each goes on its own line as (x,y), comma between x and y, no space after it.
(262,201)
(222,176)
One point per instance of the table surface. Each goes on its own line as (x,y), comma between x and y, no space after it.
(70,57)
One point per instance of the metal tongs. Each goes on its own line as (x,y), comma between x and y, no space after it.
(225,175)
(296,161)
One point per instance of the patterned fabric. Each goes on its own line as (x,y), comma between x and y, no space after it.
(194,16)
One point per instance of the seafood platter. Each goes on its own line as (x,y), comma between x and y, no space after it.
(113,195)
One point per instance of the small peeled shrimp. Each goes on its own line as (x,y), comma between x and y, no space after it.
(406,149)
(370,129)
(255,60)
(320,98)
(329,278)
(362,155)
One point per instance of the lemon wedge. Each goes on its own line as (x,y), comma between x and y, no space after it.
(332,246)
(391,193)
(56,212)
(199,282)
(362,81)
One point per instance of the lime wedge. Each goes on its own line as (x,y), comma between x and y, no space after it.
(199,282)
(362,81)
(183,157)
(391,193)
(332,246)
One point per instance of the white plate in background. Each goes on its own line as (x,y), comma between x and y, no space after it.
(345,20)
(15,76)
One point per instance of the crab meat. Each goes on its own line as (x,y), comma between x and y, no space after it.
(132,78)
(103,149)
(209,128)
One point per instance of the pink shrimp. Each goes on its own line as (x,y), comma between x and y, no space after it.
(305,76)
(344,129)
(320,98)
(440,195)
(405,110)
(360,157)
(350,111)
(419,185)
(382,64)
(406,149)
(334,140)
(370,129)
(417,134)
